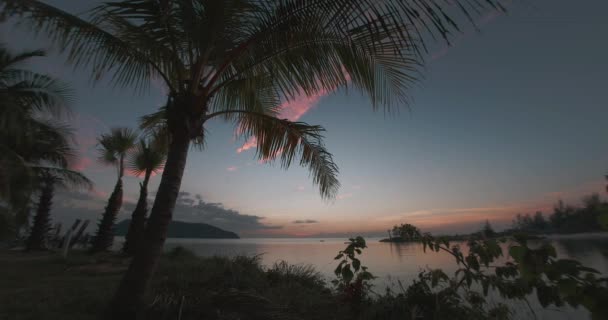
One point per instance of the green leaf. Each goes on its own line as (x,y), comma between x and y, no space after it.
(338,270)
(472,262)
(517,253)
(339,256)
(347,274)
(356,264)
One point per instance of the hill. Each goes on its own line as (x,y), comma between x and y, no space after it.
(180,229)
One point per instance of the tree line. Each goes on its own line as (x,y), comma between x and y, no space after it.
(590,216)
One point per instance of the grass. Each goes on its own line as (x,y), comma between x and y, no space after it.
(45,286)
(186,287)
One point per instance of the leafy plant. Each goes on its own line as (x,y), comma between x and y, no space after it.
(353,279)
(527,271)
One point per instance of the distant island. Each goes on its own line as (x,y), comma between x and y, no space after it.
(181,229)
(591,216)
(409,233)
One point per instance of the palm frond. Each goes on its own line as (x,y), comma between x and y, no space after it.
(9,60)
(155,125)
(312,46)
(285,140)
(36,91)
(25,94)
(62,177)
(115,144)
(149,156)
(88,43)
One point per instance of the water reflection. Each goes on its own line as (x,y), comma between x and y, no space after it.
(398,260)
(393,262)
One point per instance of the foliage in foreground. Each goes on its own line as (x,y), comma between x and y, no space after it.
(222,288)
(239,288)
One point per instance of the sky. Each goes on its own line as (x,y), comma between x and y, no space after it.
(507,120)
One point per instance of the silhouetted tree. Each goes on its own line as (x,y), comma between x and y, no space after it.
(487,230)
(148,158)
(29,103)
(236,60)
(113,150)
(406,232)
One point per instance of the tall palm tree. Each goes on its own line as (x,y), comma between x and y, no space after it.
(51,176)
(147,159)
(27,100)
(236,60)
(113,148)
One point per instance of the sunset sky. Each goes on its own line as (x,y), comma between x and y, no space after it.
(507,120)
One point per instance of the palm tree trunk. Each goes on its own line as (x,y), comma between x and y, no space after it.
(41,226)
(134,236)
(105,231)
(130,294)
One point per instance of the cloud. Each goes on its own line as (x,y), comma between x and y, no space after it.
(69,206)
(300,188)
(88,128)
(294,109)
(250,143)
(344,196)
(232,168)
(81,163)
(192,208)
(307,221)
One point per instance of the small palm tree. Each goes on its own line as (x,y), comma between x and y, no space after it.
(49,151)
(50,179)
(26,99)
(147,159)
(236,60)
(113,148)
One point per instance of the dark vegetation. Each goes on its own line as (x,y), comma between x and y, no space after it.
(180,229)
(45,286)
(590,216)
(237,61)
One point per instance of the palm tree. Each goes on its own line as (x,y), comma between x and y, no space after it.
(236,60)
(148,159)
(49,177)
(27,101)
(113,151)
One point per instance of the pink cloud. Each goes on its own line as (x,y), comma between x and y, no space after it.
(81,163)
(300,188)
(294,109)
(88,129)
(99,193)
(232,168)
(251,143)
(291,110)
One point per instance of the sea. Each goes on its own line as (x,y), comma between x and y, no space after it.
(396,264)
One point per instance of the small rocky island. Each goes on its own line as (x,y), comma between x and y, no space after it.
(181,229)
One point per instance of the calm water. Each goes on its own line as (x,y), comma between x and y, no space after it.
(392,262)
